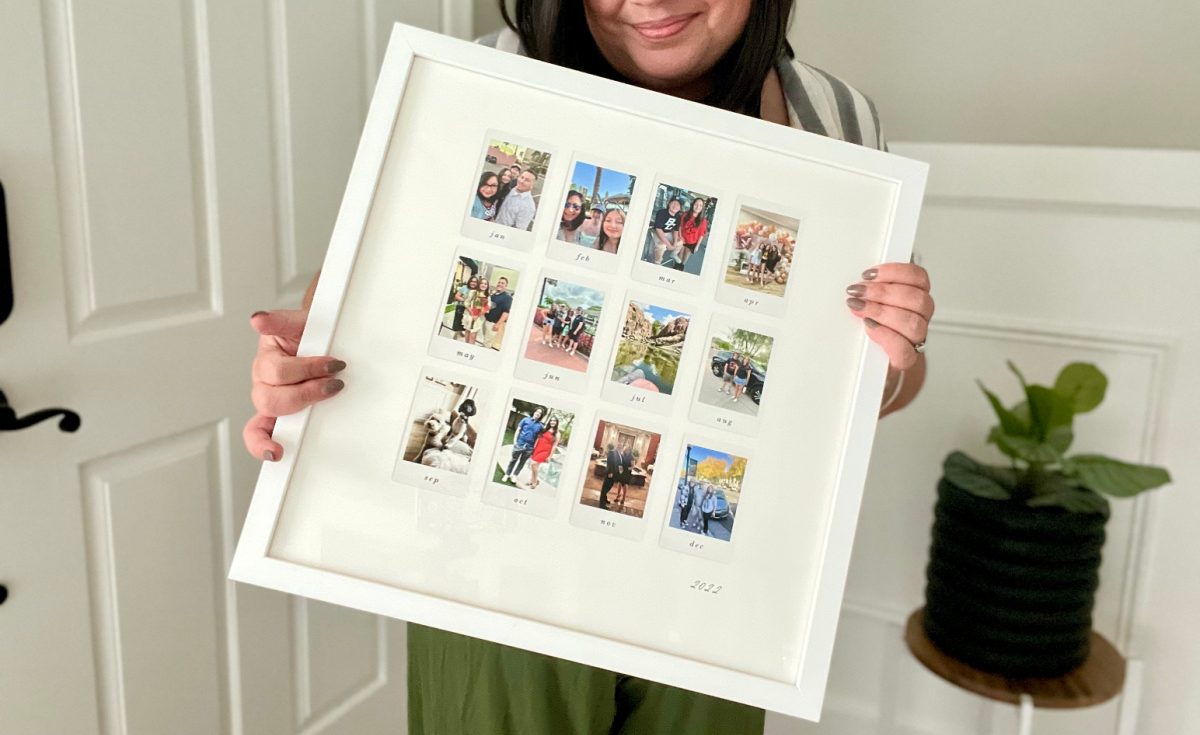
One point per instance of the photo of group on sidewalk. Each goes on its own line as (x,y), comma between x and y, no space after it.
(532,448)
(564,325)
(764,244)
(621,468)
(478,303)
(595,208)
(509,184)
(707,492)
(677,236)
(736,373)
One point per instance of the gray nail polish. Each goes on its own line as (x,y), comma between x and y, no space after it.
(856,304)
(258,313)
(269,455)
(857,289)
(333,386)
(870,273)
(871,323)
(335,366)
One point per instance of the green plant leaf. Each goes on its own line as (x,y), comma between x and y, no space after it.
(1013,367)
(1116,478)
(994,483)
(1060,437)
(1011,425)
(1023,447)
(1083,384)
(1073,499)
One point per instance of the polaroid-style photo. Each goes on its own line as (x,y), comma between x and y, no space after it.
(592,223)
(532,455)
(645,364)
(506,191)
(441,434)
(561,342)
(473,318)
(733,376)
(762,250)
(708,488)
(677,235)
(616,483)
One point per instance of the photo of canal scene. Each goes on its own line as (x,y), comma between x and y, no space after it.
(650,347)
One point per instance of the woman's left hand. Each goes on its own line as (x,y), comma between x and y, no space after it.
(894,303)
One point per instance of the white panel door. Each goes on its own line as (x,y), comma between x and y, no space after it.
(170,167)
(1042,256)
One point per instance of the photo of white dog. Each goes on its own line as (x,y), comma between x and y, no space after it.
(441,435)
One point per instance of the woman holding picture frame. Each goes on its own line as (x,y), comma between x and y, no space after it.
(730,54)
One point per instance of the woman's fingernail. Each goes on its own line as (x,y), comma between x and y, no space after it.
(335,366)
(857,289)
(269,456)
(870,273)
(871,323)
(856,304)
(258,313)
(332,386)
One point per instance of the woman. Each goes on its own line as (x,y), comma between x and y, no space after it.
(708,505)
(461,294)
(486,200)
(628,462)
(564,329)
(477,306)
(741,378)
(573,218)
(724,55)
(727,374)
(578,324)
(590,230)
(542,449)
(612,226)
(547,325)
(752,272)
(692,230)
(508,180)
(770,261)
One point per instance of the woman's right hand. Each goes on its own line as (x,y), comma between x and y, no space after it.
(282,383)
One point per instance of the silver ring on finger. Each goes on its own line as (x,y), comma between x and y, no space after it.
(919,347)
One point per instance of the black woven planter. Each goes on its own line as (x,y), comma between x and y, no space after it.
(1010,588)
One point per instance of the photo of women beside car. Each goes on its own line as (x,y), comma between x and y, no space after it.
(736,371)
(708,489)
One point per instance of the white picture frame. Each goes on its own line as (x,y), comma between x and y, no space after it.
(329,521)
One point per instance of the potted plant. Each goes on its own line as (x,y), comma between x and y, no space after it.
(1015,558)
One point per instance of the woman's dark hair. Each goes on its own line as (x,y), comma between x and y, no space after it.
(691,217)
(483,180)
(556,31)
(575,224)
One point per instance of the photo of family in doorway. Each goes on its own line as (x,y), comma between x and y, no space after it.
(650,347)
(707,491)
(564,325)
(764,244)
(736,370)
(533,446)
(620,470)
(677,236)
(441,430)
(595,208)
(509,184)
(478,304)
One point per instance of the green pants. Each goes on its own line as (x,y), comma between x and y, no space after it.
(464,686)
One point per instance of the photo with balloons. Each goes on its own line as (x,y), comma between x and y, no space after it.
(764,247)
